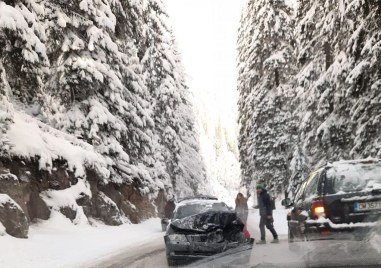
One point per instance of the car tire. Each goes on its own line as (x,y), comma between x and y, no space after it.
(290,236)
(292,246)
(171,262)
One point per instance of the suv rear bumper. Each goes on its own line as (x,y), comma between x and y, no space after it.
(327,230)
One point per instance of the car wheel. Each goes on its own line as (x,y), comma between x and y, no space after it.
(171,262)
(291,239)
(290,236)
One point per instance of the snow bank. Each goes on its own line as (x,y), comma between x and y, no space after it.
(57,199)
(2,230)
(4,198)
(375,242)
(31,138)
(58,243)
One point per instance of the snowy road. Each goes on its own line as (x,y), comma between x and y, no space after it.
(151,254)
(303,254)
(307,254)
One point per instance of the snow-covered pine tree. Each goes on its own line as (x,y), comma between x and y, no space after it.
(246,80)
(23,55)
(362,71)
(100,84)
(317,33)
(266,65)
(6,111)
(23,60)
(335,93)
(338,81)
(174,124)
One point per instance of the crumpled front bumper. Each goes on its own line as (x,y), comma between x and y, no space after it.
(190,251)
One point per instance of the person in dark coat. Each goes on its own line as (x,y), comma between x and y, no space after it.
(169,208)
(266,213)
(241,207)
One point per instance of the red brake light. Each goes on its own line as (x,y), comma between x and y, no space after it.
(318,209)
(368,161)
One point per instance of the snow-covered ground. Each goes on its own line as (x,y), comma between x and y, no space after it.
(59,243)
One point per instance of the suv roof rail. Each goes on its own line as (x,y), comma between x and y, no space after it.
(205,197)
(356,161)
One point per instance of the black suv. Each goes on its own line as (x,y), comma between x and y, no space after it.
(342,199)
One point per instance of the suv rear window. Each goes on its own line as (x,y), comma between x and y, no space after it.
(346,178)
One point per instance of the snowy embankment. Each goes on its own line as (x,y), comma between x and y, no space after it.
(49,171)
(30,137)
(59,243)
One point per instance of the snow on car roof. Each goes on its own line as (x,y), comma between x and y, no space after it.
(355,175)
(204,197)
(354,162)
(198,201)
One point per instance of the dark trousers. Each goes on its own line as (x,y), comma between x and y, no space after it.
(269,225)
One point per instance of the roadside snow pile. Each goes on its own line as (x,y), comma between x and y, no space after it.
(2,230)
(375,241)
(58,243)
(4,198)
(67,198)
(32,138)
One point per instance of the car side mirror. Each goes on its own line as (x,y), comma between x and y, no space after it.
(287,202)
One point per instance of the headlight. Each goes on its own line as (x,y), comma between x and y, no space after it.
(177,238)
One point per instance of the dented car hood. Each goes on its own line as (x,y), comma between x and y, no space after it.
(209,221)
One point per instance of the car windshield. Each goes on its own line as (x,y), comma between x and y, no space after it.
(348,178)
(198,207)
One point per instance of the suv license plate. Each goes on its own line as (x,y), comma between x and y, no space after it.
(363,206)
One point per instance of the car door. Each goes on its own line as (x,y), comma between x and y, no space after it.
(293,223)
(311,191)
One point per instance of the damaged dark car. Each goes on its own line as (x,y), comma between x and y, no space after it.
(201,228)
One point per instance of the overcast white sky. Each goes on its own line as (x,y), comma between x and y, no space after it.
(206,33)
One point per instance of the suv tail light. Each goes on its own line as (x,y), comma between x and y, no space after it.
(318,209)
